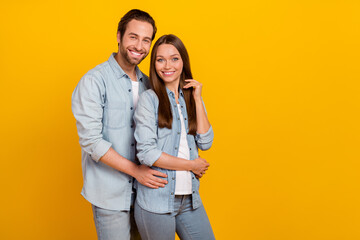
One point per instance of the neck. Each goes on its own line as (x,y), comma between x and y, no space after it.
(174,87)
(128,68)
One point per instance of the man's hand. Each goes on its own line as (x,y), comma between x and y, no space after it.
(146,176)
(200,166)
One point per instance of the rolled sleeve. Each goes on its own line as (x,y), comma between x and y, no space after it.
(204,141)
(87,106)
(146,130)
(100,149)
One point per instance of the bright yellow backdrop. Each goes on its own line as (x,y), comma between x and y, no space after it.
(281,85)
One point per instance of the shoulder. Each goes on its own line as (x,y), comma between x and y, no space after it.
(98,73)
(149,95)
(148,98)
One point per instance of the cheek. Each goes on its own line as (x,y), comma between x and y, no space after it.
(157,67)
(147,48)
(180,65)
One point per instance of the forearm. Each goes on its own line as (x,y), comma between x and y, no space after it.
(118,162)
(143,174)
(173,163)
(202,120)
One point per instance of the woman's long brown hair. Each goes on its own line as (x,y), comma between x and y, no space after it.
(165,117)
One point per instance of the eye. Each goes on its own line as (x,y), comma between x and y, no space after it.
(175,59)
(132,37)
(146,41)
(159,60)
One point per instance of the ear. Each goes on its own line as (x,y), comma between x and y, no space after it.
(118,37)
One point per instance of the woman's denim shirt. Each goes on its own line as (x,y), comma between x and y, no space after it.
(152,141)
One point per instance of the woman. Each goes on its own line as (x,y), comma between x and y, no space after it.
(171,124)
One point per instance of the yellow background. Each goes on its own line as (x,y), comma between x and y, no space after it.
(281,86)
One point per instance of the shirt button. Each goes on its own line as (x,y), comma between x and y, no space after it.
(192,177)
(178,132)
(131,108)
(129,90)
(178,118)
(172,193)
(132,126)
(129,181)
(190,149)
(181,106)
(193,191)
(134,145)
(185,118)
(173,178)
(175,148)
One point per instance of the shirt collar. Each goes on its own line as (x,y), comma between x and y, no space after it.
(170,93)
(119,72)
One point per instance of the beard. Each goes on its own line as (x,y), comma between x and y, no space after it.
(126,55)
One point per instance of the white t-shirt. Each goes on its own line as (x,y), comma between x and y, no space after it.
(135,92)
(183,184)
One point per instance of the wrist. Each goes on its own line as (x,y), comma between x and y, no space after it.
(198,99)
(135,172)
(191,165)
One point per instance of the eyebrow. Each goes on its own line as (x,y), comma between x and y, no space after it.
(131,33)
(170,55)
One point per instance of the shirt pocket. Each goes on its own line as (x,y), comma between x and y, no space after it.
(115,115)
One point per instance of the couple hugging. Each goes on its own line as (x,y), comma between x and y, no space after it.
(140,138)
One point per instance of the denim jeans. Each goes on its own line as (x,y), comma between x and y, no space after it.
(115,225)
(187,222)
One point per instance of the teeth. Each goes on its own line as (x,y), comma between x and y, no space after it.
(168,73)
(135,53)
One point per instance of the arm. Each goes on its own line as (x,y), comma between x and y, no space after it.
(142,173)
(87,107)
(197,166)
(205,134)
(146,138)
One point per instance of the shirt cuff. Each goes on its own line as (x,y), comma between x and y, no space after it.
(205,137)
(101,148)
(151,157)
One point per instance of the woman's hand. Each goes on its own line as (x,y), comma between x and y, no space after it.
(196,85)
(199,167)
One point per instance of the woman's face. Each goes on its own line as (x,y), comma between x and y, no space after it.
(168,64)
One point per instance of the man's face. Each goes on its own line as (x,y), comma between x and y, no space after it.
(134,46)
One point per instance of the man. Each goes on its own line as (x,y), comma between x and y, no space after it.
(103,104)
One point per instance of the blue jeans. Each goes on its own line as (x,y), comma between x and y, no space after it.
(115,225)
(187,222)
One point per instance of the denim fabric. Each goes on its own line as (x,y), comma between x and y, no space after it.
(115,225)
(102,104)
(189,223)
(152,141)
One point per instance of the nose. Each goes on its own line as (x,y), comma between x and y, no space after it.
(167,64)
(138,45)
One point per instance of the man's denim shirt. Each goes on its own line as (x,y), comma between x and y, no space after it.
(152,141)
(102,104)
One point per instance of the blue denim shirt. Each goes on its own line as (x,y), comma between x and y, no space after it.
(102,104)
(152,141)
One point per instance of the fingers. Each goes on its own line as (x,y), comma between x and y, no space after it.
(151,185)
(192,83)
(157,173)
(159,181)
